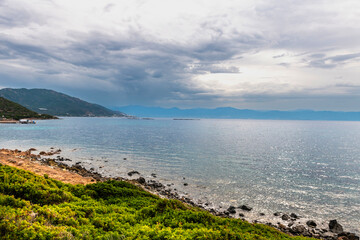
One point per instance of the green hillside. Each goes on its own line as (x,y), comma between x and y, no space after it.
(36,207)
(55,103)
(11,110)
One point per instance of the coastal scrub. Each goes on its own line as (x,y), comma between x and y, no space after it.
(37,207)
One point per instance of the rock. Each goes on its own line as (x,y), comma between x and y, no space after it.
(347,236)
(311,223)
(285,217)
(262,214)
(299,229)
(241,215)
(132,173)
(293,215)
(231,210)
(277,214)
(282,226)
(141,180)
(153,175)
(343,238)
(155,184)
(245,208)
(185,184)
(335,227)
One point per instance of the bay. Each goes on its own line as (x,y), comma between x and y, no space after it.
(311,168)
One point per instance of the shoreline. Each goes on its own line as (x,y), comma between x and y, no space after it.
(62,169)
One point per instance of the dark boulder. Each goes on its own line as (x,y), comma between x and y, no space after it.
(293,215)
(335,227)
(245,208)
(311,223)
(141,180)
(231,210)
(285,217)
(132,173)
(277,214)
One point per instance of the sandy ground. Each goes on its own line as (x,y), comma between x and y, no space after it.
(28,161)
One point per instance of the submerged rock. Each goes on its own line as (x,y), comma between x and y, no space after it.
(245,208)
(132,173)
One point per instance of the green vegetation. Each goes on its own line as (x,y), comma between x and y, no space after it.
(11,110)
(55,103)
(35,207)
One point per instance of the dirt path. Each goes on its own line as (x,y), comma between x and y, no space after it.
(28,161)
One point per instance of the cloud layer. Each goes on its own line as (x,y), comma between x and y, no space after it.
(245,54)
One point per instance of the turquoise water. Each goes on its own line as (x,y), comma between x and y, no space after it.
(311,168)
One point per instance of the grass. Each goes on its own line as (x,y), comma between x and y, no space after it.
(36,207)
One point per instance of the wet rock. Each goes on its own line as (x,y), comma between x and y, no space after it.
(262,214)
(153,175)
(311,223)
(245,208)
(282,227)
(185,184)
(231,210)
(347,235)
(335,227)
(293,215)
(299,230)
(277,214)
(155,184)
(141,180)
(132,173)
(285,217)
(241,215)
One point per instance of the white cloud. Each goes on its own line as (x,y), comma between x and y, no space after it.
(184,52)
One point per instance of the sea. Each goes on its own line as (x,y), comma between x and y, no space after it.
(311,168)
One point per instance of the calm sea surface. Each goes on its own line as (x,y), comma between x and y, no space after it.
(311,168)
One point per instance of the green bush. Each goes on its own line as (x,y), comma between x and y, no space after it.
(36,207)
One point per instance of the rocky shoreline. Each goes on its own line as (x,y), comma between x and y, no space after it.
(289,223)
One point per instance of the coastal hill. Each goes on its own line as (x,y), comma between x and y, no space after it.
(11,110)
(234,113)
(46,101)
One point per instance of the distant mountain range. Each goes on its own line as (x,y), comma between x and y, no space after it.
(46,101)
(234,113)
(11,110)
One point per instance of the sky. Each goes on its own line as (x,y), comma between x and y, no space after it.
(270,54)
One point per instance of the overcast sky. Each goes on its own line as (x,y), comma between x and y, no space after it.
(267,54)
